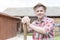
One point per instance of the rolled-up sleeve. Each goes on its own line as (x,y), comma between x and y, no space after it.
(49,27)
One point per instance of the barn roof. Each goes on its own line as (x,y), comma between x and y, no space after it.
(28,11)
(8,16)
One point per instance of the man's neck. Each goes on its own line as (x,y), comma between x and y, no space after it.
(39,19)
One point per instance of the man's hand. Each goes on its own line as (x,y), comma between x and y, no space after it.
(26,19)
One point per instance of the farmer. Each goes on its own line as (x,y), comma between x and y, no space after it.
(43,27)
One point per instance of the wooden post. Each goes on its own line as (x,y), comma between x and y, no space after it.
(25,31)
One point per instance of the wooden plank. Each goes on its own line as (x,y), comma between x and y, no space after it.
(25,31)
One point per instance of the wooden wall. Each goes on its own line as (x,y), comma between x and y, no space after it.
(8,26)
(57,29)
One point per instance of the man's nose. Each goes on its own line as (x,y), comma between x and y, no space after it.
(39,12)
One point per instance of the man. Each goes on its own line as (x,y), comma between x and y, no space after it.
(43,27)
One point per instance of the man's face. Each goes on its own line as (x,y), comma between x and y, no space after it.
(40,12)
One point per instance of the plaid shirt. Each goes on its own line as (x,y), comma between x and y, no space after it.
(48,25)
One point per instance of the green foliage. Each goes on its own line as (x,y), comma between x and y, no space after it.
(57,38)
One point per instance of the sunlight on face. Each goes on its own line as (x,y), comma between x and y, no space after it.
(39,12)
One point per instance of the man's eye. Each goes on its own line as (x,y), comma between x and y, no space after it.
(37,11)
(41,10)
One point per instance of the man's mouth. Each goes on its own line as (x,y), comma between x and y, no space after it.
(39,14)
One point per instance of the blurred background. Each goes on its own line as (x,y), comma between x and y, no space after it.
(20,8)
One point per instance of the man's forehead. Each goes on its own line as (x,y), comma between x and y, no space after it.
(39,8)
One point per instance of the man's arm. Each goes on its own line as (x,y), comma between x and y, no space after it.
(38,29)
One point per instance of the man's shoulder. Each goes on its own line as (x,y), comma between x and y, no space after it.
(50,19)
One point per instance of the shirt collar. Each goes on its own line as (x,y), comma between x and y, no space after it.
(43,19)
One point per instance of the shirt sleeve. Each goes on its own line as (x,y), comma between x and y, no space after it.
(49,27)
